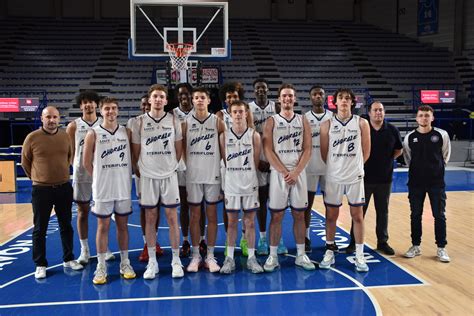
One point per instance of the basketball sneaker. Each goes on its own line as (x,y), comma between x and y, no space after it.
(228,266)
(271,264)
(282,250)
(100,274)
(328,259)
(194,264)
(307,245)
(203,248)
(211,264)
(253,265)
(84,256)
(151,271)
(360,264)
(126,270)
(109,256)
(244,247)
(412,252)
(262,247)
(143,257)
(350,249)
(177,269)
(185,249)
(40,273)
(304,262)
(333,247)
(443,255)
(73,264)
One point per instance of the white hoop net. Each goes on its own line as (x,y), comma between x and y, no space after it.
(179,53)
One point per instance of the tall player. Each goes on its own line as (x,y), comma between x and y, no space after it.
(287,145)
(184,109)
(262,108)
(203,178)
(82,181)
(240,147)
(143,257)
(345,147)
(108,160)
(157,143)
(316,168)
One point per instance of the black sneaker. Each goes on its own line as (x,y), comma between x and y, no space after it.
(307,245)
(203,248)
(332,247)
(350,249)
(386,249)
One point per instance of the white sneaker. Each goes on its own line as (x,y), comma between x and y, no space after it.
(228,266)
(211,264)
(84,257)
(40,273)
(100,274)
(360,264)
(412,252)
(328,259)
(126,270)
(253,265)
(152,270)
(109,256)
(304,262)
(177,269)
(194,264)
(73,264)
(443,255)
(271,264)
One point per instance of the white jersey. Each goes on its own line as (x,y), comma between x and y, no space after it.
(181,116)
(202,150)
(288,139)
(226,118)
(80,174)
(112,176)
(157,139)
(316,165)
(241,173)
(261,115)
(345,161)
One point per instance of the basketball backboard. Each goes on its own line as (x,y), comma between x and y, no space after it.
(156,23)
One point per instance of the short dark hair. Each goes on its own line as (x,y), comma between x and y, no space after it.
(315,87)
(203,90)
(263,80)
(345,90)
(87,95)
(157,87)
(425,108)
(108,100)
(239,103)
(231,87)
(183,85)
(370,105)
(286,86)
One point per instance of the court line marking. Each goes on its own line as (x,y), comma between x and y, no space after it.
(171,298)
(385,257)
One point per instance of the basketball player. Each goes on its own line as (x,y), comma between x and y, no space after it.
(316,168)
(82,182)
(287,145)
(345,146)
(229,93)
(240,147)
(262,108)
(201,132)
(184,109)
(157,143)
(107,159)
(143,257)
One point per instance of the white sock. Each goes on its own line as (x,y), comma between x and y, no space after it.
(274,251)
(185,238)
(152,254)
(210,252)
(84,244)
(263,234)
(230,252)
(144,239)
(299,249)
(175,253)
(307,232)
(360,250)
(101,258)
(251,252)
(123,255)
(195,251)
(330,242)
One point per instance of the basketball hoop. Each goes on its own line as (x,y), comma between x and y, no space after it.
(179,53)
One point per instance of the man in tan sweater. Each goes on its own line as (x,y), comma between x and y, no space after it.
(46,157)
